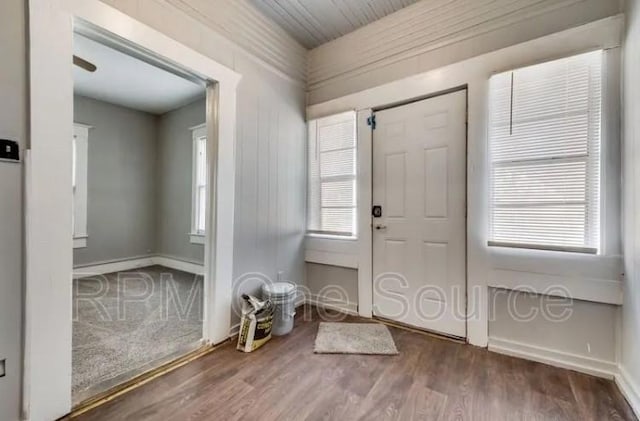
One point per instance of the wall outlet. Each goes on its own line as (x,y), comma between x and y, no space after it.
(3,365)
(280,275)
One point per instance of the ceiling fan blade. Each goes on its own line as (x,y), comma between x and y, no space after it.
(84,64)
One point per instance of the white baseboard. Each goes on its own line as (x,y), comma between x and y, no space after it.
(177,264)
(629,388)
(112,266)
(592,366)
(331,304)
(136,263)
(235,329)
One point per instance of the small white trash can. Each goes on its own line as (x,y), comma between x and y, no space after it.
(283,297)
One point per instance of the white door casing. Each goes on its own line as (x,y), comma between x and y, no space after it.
(419,242)
(48,218)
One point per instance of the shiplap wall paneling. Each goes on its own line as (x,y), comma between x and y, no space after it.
(270,180)
(314,22)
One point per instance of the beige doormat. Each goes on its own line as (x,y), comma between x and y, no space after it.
(354,338)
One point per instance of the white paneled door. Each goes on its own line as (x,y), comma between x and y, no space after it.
(419,182)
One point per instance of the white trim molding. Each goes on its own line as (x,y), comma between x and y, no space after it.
(178,264)
(365,202)
(629,388)
(123,265)
(112,266)
(591,366)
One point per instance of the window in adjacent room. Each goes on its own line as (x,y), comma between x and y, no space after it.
(544,150)
(199,190)
(331,197)
(80,150)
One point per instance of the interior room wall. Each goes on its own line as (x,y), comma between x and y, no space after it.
(630,337)
(174,179)
(13,125)
(121,179)
(434,33)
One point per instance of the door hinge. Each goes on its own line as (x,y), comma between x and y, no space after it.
(371,121)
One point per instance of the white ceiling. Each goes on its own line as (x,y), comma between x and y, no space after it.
(314,22)
(129,82)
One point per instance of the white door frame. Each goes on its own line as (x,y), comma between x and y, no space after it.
(365,200)
(49,261)
(458,91)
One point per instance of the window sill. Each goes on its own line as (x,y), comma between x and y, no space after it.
(80,242)
(331,237)
(196,238)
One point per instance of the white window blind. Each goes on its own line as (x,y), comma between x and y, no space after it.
(331,197)
(544,149)
(199,181)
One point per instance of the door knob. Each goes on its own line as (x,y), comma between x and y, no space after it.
(381,227)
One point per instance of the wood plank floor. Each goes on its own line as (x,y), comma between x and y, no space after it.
(431,379)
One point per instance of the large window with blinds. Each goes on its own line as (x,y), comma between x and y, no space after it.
(331,193)
(544,151)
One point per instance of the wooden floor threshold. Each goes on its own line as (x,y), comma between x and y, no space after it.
(413,329)
(402,326)
(140,380)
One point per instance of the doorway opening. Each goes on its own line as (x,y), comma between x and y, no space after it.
(48,365)
(139,216)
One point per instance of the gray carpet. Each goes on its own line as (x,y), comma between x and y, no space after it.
(128,322)
(354,338)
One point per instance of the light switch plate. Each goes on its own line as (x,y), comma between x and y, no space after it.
(3,371)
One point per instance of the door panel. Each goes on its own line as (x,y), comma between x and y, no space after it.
(419,242)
